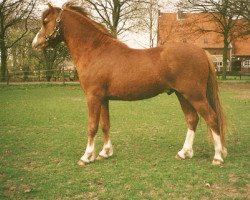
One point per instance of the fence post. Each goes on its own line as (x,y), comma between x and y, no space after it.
(63,76)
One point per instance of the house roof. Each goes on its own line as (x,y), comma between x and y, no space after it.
(242,46)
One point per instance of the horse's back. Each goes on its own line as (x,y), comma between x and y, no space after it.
(183,53)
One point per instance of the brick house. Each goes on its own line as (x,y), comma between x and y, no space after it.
(187,28)
(241,55)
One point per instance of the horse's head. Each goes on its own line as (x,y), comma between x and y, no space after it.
(49,34)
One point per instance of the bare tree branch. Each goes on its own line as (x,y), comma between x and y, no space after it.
(117,14)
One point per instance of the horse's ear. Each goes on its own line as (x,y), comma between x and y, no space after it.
(50,6)
(67,4)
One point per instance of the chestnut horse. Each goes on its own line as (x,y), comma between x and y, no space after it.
(110,70)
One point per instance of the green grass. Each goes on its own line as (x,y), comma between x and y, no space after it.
(43,135)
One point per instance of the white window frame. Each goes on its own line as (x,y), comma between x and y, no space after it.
(219,65)
(246,63)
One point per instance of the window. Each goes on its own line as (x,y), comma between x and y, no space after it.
(180,15)
(219,66)
(184,40)
(246,63)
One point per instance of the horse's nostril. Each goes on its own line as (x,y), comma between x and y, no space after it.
(36,46)
(33,45)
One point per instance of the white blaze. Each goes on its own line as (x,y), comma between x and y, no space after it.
(35,40)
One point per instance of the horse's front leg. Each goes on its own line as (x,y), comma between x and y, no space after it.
(94,107)
(107,149)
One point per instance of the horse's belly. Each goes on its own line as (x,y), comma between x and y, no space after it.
(134,91)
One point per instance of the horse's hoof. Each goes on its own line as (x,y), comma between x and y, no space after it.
(189,153)
(100,158)
(178,157)
(217,162)
(81,163)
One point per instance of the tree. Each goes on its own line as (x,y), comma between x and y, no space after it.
(242,7)
(149,20)
(52,58)
(20,56)
(228,21)
(119,16)
(12,13)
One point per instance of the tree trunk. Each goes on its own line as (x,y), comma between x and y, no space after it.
(114,32)
(115,17)
(49,71)
(151,42)
(225,56)
(3,60)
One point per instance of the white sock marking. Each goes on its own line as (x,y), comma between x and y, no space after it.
(187,149)
(89,155)
(35,40)
(107,150)
(217,146)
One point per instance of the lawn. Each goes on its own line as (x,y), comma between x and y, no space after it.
(43,135)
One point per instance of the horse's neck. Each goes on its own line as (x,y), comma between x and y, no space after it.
(81,37)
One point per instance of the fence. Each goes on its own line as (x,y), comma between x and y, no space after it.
(41,76)
(235,74)
(71,75)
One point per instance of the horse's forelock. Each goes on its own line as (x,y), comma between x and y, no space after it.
(48,11)
(45,13)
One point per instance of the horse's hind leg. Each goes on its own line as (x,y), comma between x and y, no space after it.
(192,119)
(204,109)
(107,149)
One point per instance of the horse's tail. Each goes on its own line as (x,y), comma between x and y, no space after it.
(214,100)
